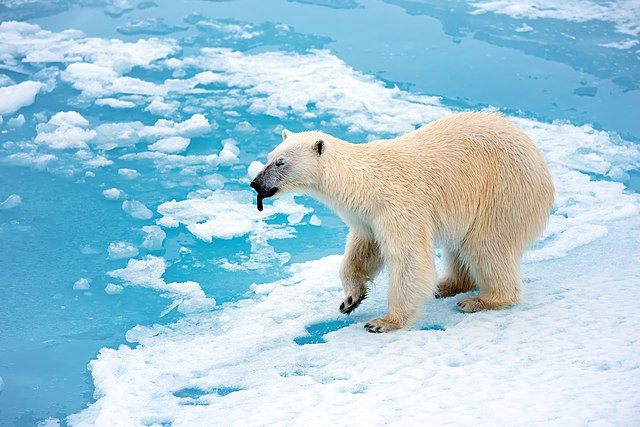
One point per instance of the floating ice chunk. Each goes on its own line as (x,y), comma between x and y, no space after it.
(49,422)
(229,153)
(295,217)
(112,193)
(254,168)
(621,45)
(623,14)
(173,144)
(113,135)
(244,126)
(159,107)
(214,182)
(11,202)
(265,83)
(117,8)
(119,250)
(154,237)
(314,220)
(14,97)
(136,209)
(167,222)
(87,249)
(128,173)
(82,284)
(65,130)
(1,384)
(6,80)
(147,272)
(115,103)
(196,125)
(524,28)
(113,289)
(16,122)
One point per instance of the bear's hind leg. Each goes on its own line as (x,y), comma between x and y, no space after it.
(457,279)
(361,263)
(498,276)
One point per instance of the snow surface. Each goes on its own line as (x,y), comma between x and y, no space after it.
(569,355)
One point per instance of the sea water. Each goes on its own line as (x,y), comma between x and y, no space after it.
(130,133)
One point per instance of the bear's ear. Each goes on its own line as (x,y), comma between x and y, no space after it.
(318,147)
(285,134)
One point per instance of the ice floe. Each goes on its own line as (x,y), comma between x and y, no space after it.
(624,14)
(13,98)
(119,250)
(12,201)
(82,284)
(136,209)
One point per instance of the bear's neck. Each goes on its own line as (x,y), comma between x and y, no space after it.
(348,181)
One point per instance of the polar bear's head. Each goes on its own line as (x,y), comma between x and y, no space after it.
(294,165)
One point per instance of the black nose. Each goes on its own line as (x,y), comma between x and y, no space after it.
(256,186)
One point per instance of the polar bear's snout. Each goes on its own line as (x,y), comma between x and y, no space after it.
(264,184)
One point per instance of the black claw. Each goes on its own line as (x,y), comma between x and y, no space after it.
(342,307)
(350,300)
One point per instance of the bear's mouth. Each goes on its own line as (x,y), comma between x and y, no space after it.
(264,195)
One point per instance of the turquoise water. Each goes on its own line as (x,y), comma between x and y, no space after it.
(61,230)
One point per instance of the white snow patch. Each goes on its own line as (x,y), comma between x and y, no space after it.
(159,107)
(226,214)
(120,250)
(524,28)
(114,135)
(14,97)
(136,209)
(314,220)
(229,153)
(49,422)
(13,201)
(115,103)
(548,360)
(82,284)
(112,193)
(153,237)
(621,45)
(65,130)
(128,173)
(113,289)
(275,83)
(172,144)
(254,169)
(16,122)
(147,273)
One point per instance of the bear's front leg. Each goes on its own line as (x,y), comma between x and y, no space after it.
(361,263)
(412,279)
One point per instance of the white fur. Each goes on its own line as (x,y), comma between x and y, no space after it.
(474,182)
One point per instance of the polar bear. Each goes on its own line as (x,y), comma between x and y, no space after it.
(472,182)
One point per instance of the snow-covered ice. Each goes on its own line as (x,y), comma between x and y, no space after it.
(119,250)
(112,193)
(82,284)
(136,209)
(153,237)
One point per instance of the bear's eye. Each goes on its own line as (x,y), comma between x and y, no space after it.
(279,162)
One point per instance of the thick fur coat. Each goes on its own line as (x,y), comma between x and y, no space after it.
(472,182)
